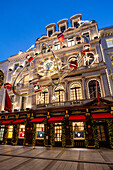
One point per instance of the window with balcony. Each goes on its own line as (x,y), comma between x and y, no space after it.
(93,89)
(71,42)
(43,97)
(21,131)
(59,94)
(78,130)
(39,131)
(57,46)
(109,42)
(75,92)
(10,131)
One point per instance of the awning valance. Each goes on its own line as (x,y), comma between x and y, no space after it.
(18,121)
(37,120)
(77,118)
(55,119)
(102,116)
(6,122)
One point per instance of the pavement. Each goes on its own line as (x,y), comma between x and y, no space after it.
(41,158)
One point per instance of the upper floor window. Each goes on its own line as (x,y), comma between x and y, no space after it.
(71,42)
(27,64)
(26,79)
(109,42)
(93,89)
(75,92)
(23,103)
(63,29)
(12,101)
(57,46)
(44,49)
(43,97)
(59,94)
(76,24)
(16,66)
(50,33)
(87,36)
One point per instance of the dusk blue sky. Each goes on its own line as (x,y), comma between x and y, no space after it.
(23,21)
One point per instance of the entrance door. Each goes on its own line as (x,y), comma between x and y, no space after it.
(58,134)
(103,134)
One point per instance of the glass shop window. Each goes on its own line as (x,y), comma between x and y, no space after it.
(109,42)
(1,132)
(58,132)
(87,36)
(10,131)
(71,42)
(57,46)
(21,131)
(78,130)
(16,66)
(39,131)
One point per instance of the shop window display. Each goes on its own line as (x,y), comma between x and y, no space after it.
(10,131)
(1,132)
(58,132)
(78,130)
(21,131)
(39,131)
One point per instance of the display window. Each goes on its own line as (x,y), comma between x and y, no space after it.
(1,132)
(39,131)
(21,131)
(58,132)
(10,131)
(78,130)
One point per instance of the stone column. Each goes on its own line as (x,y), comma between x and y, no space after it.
(84,89)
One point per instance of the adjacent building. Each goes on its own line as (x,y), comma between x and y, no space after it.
(78,111)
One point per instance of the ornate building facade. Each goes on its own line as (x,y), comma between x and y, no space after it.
(75,113)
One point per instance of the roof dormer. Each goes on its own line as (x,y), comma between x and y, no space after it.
(51,28)
(74,20)
(62,25)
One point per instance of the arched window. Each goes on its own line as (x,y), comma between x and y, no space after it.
(59,94)
(43,97)
(75,92)
(94,87)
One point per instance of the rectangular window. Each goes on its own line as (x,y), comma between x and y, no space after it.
(78,130)
(63,29)
(50,33)
(27,64)
(57,46)
(10,131)
(39,131)
(87,36)
(71,42)
(23,105)
(58,132)
(21,131)
(76,24)
(1,132)
(12,102)
(26,79)
(109,42)
(16,66)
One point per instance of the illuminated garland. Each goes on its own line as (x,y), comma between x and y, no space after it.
(71,134)
(25,133)
(45,131)
(86,135)
(63,134)
(95,133)
(110,132)
(5,135)
(34,139)
(52,138)
(14,140)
